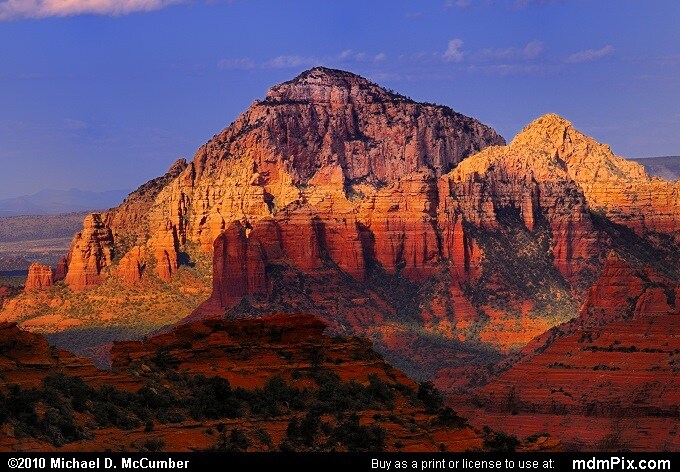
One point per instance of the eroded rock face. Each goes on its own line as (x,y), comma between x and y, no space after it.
(61,270)
(623,291)
(615,360)
(91,252)
(461,221)
(529,180)
(130,218)
(553,173)
(401,219)
(619,187)
(240,260)
(164,246)
(319,120)
(39,276)
(26,358)
(132,265)
(372,133)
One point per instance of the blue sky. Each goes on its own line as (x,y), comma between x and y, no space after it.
(105,94)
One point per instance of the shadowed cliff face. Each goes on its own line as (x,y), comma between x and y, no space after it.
(507,244)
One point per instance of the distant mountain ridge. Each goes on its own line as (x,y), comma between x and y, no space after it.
(55,202)
(36,238)
(40,227)
(666,167)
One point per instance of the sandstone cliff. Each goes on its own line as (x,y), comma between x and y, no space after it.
(91,252)
(618,187)
(39,276)
(323,119)
(26,359)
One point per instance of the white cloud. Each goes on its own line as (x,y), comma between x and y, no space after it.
(236,64)
(449,4)
(509,69)
(453,52)
(285,62)
(531,51)
(345,57)
(350,55)
(507,4)
(590,55)
(519,4)
(15,9)
(71,124)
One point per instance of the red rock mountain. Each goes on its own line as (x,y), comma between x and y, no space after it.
(325,128)
(465,260)
(476,236)
(403,221)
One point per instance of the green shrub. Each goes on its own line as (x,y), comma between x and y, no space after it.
(236,441)
(357,437)
(498,441)
(430,397)
(448,417)
(154,445)
(212,398)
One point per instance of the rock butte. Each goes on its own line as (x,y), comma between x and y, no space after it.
(39,276)
(354,164)
(91,252)
(305,147)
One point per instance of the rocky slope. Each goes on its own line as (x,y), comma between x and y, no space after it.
(26,359)
(6,292)
(613,368)
(259,385)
